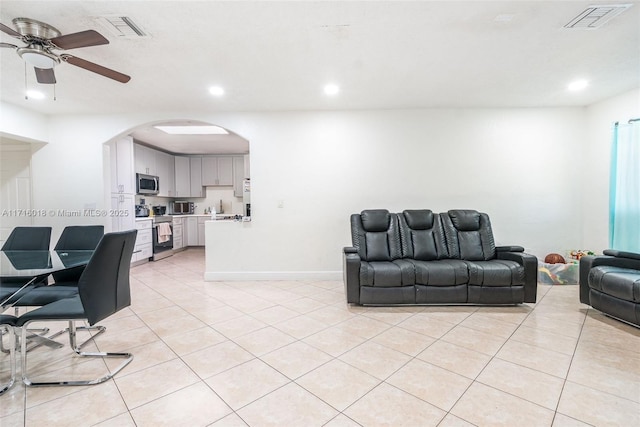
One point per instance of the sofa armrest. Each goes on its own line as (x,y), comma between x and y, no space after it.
(530,264)
(611,258)
(351,274)
(621,254)
(509,249)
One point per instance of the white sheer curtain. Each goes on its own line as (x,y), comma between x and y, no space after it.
(624,214)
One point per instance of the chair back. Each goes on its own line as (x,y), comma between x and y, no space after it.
(375,234)
(76,237)
(80,237)
(469,235)
(104,283)
(28,239)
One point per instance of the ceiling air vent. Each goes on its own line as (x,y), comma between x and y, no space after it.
(122,26)
(597,16)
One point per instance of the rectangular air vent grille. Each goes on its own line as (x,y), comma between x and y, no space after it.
(122,26)
(597,16)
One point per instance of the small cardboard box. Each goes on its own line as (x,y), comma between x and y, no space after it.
(558,274)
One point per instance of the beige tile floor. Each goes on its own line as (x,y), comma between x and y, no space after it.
(292,353)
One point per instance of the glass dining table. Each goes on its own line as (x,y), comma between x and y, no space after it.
(21,271)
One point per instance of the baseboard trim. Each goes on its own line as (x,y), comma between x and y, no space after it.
(230,276)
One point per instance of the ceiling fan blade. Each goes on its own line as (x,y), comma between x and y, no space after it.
(81,39)
(8,45)
(10,31)
(45,76)
(98,69)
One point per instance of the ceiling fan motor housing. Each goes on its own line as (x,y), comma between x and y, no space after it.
(36,29)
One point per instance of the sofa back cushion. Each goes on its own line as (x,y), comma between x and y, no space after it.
(422,235)
(468,234)
(376,235)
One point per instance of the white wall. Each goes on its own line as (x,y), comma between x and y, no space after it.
(518,165)
(601,118)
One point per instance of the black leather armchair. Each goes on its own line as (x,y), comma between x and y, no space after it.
(610,283)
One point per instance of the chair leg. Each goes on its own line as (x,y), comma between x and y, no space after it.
(74,346)
(12,358)
(98,328)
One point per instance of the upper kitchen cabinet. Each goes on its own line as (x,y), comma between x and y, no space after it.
(165,169)
(217,170)
(196,176)
(121,161)
(182,176)
(145,158)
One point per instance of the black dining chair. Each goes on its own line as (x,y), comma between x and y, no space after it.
(25,239)
(103,289)
(28,239)
(76,237)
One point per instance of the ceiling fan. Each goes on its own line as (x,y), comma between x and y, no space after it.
(41,39)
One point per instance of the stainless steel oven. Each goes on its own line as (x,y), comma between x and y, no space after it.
(162,237)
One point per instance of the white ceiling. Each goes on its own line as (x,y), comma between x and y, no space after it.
(276,56)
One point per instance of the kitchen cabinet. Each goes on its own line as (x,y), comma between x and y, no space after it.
(192,231)
(238,175)
(145,159)
(122,212)
(178,233)
(143,249)
(121,165)
(217,170)
(201,221)
(165,169)
(182,176)
(122,185)
(195,164)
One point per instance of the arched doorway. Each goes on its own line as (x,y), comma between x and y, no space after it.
(192,161)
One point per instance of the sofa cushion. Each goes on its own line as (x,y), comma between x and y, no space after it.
(468,235)
(465,220)
(387,273)
(446,272)
(623,283)
(495,273)
(419,219)
(376,235)
(422,235)
(375,220)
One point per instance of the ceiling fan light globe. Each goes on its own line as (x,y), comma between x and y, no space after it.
(39,59)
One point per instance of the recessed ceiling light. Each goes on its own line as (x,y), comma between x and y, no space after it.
(331,89)
(193,130)
(34,94)
(216,91)
(578,85)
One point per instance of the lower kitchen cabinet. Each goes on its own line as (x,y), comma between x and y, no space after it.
(194,235)
(201,221)
(178,233)
(143,249)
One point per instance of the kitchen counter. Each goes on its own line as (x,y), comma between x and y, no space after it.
(219,217)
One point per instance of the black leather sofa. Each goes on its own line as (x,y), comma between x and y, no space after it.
(422,257)
(610,283)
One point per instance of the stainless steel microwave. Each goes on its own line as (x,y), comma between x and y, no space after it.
(147,184)
(183,208)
